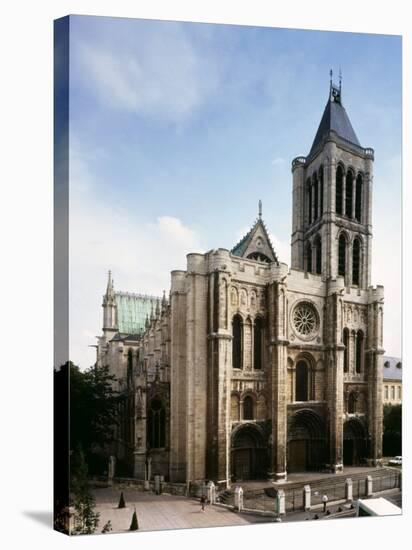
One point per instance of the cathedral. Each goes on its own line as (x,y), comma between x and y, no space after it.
(250,369)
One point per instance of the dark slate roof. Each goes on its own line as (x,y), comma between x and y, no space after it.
(242,246)
(391,368)
(334,119)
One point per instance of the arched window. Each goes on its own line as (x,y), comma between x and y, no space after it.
(342,255)
(237,343)
(316,197)
(309,200)
(318,252)
(356,262)
(358,198)
(156,424)
(309,258)
(349,194)
(346,350)
(129,367)
(359,352)
(248,408)
(352,403)
(321,189)
(339,190)
(302,382)
(258,343)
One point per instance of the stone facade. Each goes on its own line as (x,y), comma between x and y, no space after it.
(254,370)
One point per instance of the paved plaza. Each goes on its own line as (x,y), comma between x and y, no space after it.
(159,512)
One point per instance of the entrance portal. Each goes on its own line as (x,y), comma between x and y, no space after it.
(248,455)
(354,443)
(306,442)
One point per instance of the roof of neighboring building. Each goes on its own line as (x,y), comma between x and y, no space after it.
(334,119)
(132,310)
(392,368)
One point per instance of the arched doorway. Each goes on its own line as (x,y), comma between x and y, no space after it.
(306,442)
(355,443)
(249,456)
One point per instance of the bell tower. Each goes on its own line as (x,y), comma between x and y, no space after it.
(332,199)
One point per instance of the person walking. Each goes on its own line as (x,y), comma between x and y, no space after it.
(325,501)
(203,502)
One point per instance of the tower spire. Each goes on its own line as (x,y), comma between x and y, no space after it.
(260,209)
(164,302)
(109,305)
(110,285)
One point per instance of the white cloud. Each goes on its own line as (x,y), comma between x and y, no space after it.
(159,75)
(102,237)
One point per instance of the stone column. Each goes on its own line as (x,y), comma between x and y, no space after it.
(219,369)
(252,346)
(344,195)
(278,381)
(353,197)
(178,378)
(334,368)
(312,190)
(375,374)
(352,352)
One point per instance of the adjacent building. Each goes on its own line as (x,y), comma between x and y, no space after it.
(392,381)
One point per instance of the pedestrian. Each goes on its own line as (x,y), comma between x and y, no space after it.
(325,501)
(203,502)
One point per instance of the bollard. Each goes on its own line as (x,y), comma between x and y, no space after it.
(211,492)
(157,484)
(239,499)
(369,486)
(306,497)
(348,490)
(280,503)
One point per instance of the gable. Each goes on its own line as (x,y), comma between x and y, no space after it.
(256,245)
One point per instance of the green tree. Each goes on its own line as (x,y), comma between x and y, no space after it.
(93,407)
(392,430)
(86,519)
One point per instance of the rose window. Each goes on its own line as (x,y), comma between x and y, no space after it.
(305,319)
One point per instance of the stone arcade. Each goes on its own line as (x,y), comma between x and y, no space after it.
(252,370)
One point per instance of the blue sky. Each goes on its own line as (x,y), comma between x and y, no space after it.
(178,129)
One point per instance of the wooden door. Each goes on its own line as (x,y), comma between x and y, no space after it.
(298,455)
(242,464)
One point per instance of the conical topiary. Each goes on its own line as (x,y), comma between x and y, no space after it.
(122,503)
(134,526)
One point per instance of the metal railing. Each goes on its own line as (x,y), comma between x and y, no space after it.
(264,499)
